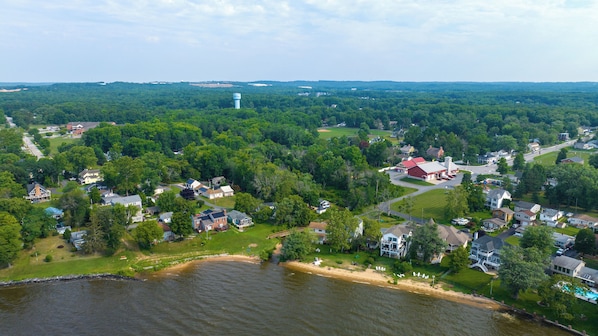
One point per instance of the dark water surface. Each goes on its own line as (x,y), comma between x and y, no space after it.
(233,298)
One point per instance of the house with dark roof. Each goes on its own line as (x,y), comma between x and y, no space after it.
(435,153)
(496,197)
(395,241)
(211,220)
(525,217)
(485,252)
(37,193)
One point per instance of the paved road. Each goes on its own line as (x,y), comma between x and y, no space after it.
(32,147)
(395,178)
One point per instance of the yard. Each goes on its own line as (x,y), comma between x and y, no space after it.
(56,142)
(428,205)
(331,132)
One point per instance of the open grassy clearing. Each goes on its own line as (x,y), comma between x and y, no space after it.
(331,132)
(224,202)
(56,142)
(430,204)
(416,181)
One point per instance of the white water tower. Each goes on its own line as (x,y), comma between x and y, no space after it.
(237,99)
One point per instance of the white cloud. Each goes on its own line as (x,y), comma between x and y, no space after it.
(314,39)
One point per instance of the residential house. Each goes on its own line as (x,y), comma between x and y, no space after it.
(54,212)
(239,219)
(521,205)
(564,136)
(485,252)
(435,153)
(575,159)
(210,193)
(575,269)
(319,230)
(211,220)
(167,235)
(217,181)
(407,150)
(503,213)
(89,176)
(496,197)
(37,193)
(395,241)
(525,217)
(165,218)
(78,239)
(128,202)
(193,184)
(227,191)
(562,240)
(428,171)
(582,145)
(493,224)
(584,221)
(534,147)
(453,237)
(488,158)
(550,216)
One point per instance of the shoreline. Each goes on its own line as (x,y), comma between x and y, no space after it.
(176,268)
(372,277)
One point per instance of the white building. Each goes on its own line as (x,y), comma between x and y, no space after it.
(395,241)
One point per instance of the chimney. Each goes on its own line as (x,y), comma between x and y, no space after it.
(475,235)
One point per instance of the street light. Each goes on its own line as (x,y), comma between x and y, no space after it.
(433,276)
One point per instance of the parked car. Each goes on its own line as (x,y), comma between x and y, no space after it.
(460,221)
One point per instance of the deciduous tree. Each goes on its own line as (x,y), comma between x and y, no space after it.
(297,245)
(10,238)
(585,241)
(341,229)
(426,242)
(458,259)
(520,269)
(148,233)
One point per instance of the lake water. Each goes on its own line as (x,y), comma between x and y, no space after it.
(234,298)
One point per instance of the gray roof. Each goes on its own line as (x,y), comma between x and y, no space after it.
(549,212)
(498,193)
(125,200)
(452,236)
(505,210)
(566,262)
(490,243)
(398,230)
(238,215)
(525,205)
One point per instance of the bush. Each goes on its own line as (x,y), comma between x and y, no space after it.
(200,203)
(48,258)
(67,234)
(402,267)
(370,261)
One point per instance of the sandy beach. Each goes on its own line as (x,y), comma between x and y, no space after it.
(173,270)
(372,277)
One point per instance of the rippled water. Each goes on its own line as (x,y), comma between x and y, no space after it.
(232,298)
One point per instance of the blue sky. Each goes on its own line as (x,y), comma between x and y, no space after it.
(250,40)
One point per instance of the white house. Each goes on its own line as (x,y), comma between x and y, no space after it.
(89,176)
(575,269)
(584,221)
(562,240)
(319,228)
(550,216)
(227,191)
(525,217)
(522,205)
(239,219)
(496,197)
(129,201)
(395,241)
(485,252)
(192,184)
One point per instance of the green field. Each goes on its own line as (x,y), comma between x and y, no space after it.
(55,142)
(331,132)
(549,159)
(428,205)
(416,181)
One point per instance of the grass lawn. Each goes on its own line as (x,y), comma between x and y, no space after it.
(225,202)
(568,230)
(467,280)
(547,159)
(513,240)
(55,142)
(416,181)
(429,205)
(331,132)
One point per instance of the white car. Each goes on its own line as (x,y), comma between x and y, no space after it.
(460,221)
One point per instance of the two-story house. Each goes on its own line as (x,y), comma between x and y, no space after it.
(453,237)
(526,212)
(550,216)
(522,205)
(132,203)
(89,176)
(395,241)
(37,193)
(485,252)
(503,213)
(211,220)
(574,268)
(496,197)
(319,230)
(239,219)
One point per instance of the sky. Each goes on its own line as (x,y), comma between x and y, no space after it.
(253,40)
